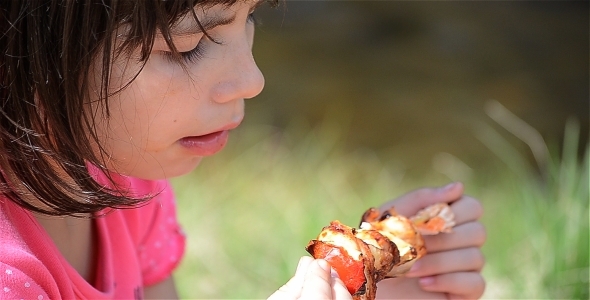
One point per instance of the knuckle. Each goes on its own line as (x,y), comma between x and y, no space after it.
(435,242)
(475,206)
(479,286)
(410,203)
(423,193)
(478,259)
(480,234)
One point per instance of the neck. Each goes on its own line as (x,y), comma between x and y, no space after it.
(75,240)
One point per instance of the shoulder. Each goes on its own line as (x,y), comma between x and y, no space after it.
(22,273)
(13,221)
(154,228)
(150,225)
(161,207)
(137,220)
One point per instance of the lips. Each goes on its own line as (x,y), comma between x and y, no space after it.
(204,145)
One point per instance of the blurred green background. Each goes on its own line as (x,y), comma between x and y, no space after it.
(411,77)
(367,100)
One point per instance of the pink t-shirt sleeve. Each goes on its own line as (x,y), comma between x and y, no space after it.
(159,237)
(16,284)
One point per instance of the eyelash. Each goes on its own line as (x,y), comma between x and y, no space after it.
(196,53)
(252,19)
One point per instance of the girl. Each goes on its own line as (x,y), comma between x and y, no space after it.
(102,102)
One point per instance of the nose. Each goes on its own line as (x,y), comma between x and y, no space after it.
(243,79)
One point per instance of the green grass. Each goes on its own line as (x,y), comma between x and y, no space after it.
(250,211)
(538,228)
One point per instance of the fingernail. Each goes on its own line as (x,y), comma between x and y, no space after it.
(324,265)
(426,281)
(333,273)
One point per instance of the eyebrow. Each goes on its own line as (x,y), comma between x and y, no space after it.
(256,4)
(208,23)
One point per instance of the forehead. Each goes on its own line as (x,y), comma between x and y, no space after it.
(227,5)
(211,16)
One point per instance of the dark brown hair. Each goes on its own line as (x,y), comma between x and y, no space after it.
(47,49)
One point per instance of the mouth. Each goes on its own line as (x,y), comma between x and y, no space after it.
(210,143)
(204,145)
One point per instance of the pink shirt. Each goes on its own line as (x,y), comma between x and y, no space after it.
(136,248)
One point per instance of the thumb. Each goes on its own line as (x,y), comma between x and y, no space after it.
(318,281)
(410,203)
(292,289)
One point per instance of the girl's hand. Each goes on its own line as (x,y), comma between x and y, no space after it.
(452,267)
(313,279)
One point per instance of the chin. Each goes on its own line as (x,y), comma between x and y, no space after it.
(181,169)
(184,169)
(165,170)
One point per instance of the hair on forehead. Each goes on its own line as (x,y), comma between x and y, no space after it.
(143,19)
(46,129)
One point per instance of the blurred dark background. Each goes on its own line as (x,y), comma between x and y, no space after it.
(409,80)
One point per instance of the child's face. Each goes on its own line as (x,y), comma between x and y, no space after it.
(167,119)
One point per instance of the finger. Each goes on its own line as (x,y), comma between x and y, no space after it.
(460,285)
(339,290)
(461,260)
(318,281)
(466,209)
(410,203)
(405,288)
(292,289)
(472,234)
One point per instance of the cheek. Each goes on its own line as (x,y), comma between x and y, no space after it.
(125,134)
(146,118)
(145,98)
(144,115)
(122,130)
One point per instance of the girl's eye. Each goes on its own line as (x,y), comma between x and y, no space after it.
(252,19)
(190,56)
(196,53)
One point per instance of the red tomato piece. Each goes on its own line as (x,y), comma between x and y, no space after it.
(351,271)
